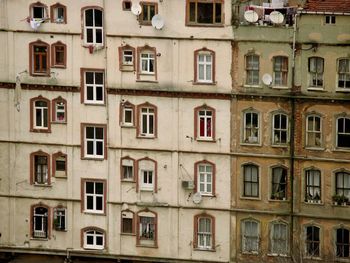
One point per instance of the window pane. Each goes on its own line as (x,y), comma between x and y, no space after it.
(99,93)
(205,13)
(99,36)
(90,132)
(90,148)
(89,17)
(99,133)
(99,240)
(89,35)
(89,202)
(192,12)
(98,17)
(89,240)
(218,13)
(99,203)
(99,148)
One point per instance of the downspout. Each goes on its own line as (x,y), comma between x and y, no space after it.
(292,142)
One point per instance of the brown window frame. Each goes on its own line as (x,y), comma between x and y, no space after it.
(195,231)
(53,13)
(38,4)
(32,60)
(122,107)
(32,112)
(132,222)
(124,5)
(54,63)
(54,112)
(148,20)
(125,66)
(138,238)
(54,159)
(32,169)
(196,23)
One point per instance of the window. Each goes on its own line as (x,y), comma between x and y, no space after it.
(205,181)
(344,73)
(147,120)
(204,232)
(58,14)
(330,20)
(250,236)
(313,131)
(280,71)
(342,243)
(59,164)
(127,169)
(205,123)
(40,222)
(60,219)
(342,183)
(279,183)
(201,12)
(279,129)
(279,239)
(127,5)
(39,59)
(147,228)
(38,11)
(250,180)
(59,110)
(251,127)
(343,132)
(252,69)
(128,222)
(148,11)
(93,26)
(312,241)
(58,57)
(126,58)
(147,175)
(146,63)
(93,90)
(94,238)
(316,72)
(127,114)
(94,145)
(313,186)
(204,66)
(94,196)
(40,168)
(40,115)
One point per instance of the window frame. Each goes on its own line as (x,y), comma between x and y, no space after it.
(133,179)
(214,23)
(245,139)
(148,21)
(196,232)
(255,238)
(83,87)
(123,66)
(124,5)
(343,188)
(53,14)
(342,244)
(83,142)
(314,130)
(153,135)
(54,63)
(123,106)
(55,110)
(32,118)
(32,179)
(32,61)
(56,210)
(94,28)
(38,4)
(250,70)
(244,195)
(132,222)
(148,242)
(32,221)
(330,20)
(283,71)
(54,159)
(197,119)
(140,73)
(280,130)
(197,63)
(279,240)
(96,230)
(84,196)
(275,195)
(312,241)
(314,75)
(344,88)
(344,133)
(139,175)
(197,178)
(314,172)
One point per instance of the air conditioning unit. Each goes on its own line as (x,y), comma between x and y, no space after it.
(189,185)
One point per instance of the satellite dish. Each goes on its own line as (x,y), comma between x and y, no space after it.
(276,17)
(197,198)
(267,79)
(251,16)
(136,9)
(157,22)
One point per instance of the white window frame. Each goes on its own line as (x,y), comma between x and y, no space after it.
(208,177)
(131,110)
(205,236)
(313,131)
(314,75)
(94,88)
(94,28)
(206,62)
(280,130)
(59,215)
(124,56)
(94,141)
(343,74)
(330,19)
(311,186)
(147,186)
(44,110)
(249,237)
(344,133)
(149,114)
(94,234)
(277,240)
(94,196)
(283,72)
(250,139)
(206,116)
(59,104)
(43,232)
(148,57)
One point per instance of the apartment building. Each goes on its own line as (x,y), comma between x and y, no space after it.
(115,131)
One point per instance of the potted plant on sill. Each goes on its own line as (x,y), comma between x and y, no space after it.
(340,200)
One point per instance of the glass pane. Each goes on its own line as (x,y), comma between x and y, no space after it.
(89,187)
(89,202)
(99,93)
(205,13)
(89,17)
(98,18)
(99,36)
(90,132)
(89,35)
(99,148)
(99,188)
(90,147)
(99,203)
(208,72)
(99,240)
(99,133)
(90,93)
(192,12)
(201,72)
(218,13)
(151,124)
(89,240)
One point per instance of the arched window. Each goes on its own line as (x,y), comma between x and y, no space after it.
(279,183)
(204,232)
(279,238)
(343,132)
(205,178)
(39,62)
(316,72)
(342,243)
(313,131)
(279,129)
(147,228)
(204,66)
(93,238)
(204,123)
(312,241)
(251,127)
(313,186)
(40,221)
(250,236)
(250,180)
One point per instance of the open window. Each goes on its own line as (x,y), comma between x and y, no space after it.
(279,183)
(40,168)
(38,11)
(206,13)
(204,128)
(40,220)
(127,4)
(126,58)
(147,228)
(59,110)
(59,165)
(58,14)
(60,219)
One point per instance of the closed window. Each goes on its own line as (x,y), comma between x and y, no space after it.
(313,186)
(60,219)
(329,20)
(127,114)
(40,222)
(41,115)
(252,69)
(41,169)
(93,87)
(342,243)
(147,181)
(312,241)
(147,62)
(313,131)
(204,62)
(279,239)
(205,124)
(128,57)
(94,239)
(127,169)
(148,11)
(147,175)
(94,196)
(250,180)
(94,141)
(127,222)
(344,73)
(205,12)
(204,233)
(250,236)
(280,71)
(316,72)
(279,129)
(205,178)
(58,51)
(343,132)
(147,228)
(279,183)
(342,182)
(251,127)
(93,27)
(39,59)
(147,121)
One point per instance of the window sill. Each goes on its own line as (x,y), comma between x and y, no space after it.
(252,86)
(96,46)
(41,130)
(93,158)
(316,89)
(341,150)
(203,25)
(147,246)
(313,258)
(280,87)
(250,144)
(59,122)
(61,230)
(277,255)
(279,145)
(345,90)
(42,185)
(205,140)
(310,202)
(39,238)
(88,212)
(145,137)
(40,74)
(250,253)
(279,200)
(127,234)
(204,83)
(127,68)
(60,176)
(208,195)
(94,103)
(315,148)
(59,66)
(146,190)
(147,81)
(204,249)
(128,181)
(250,198)
(127,125)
